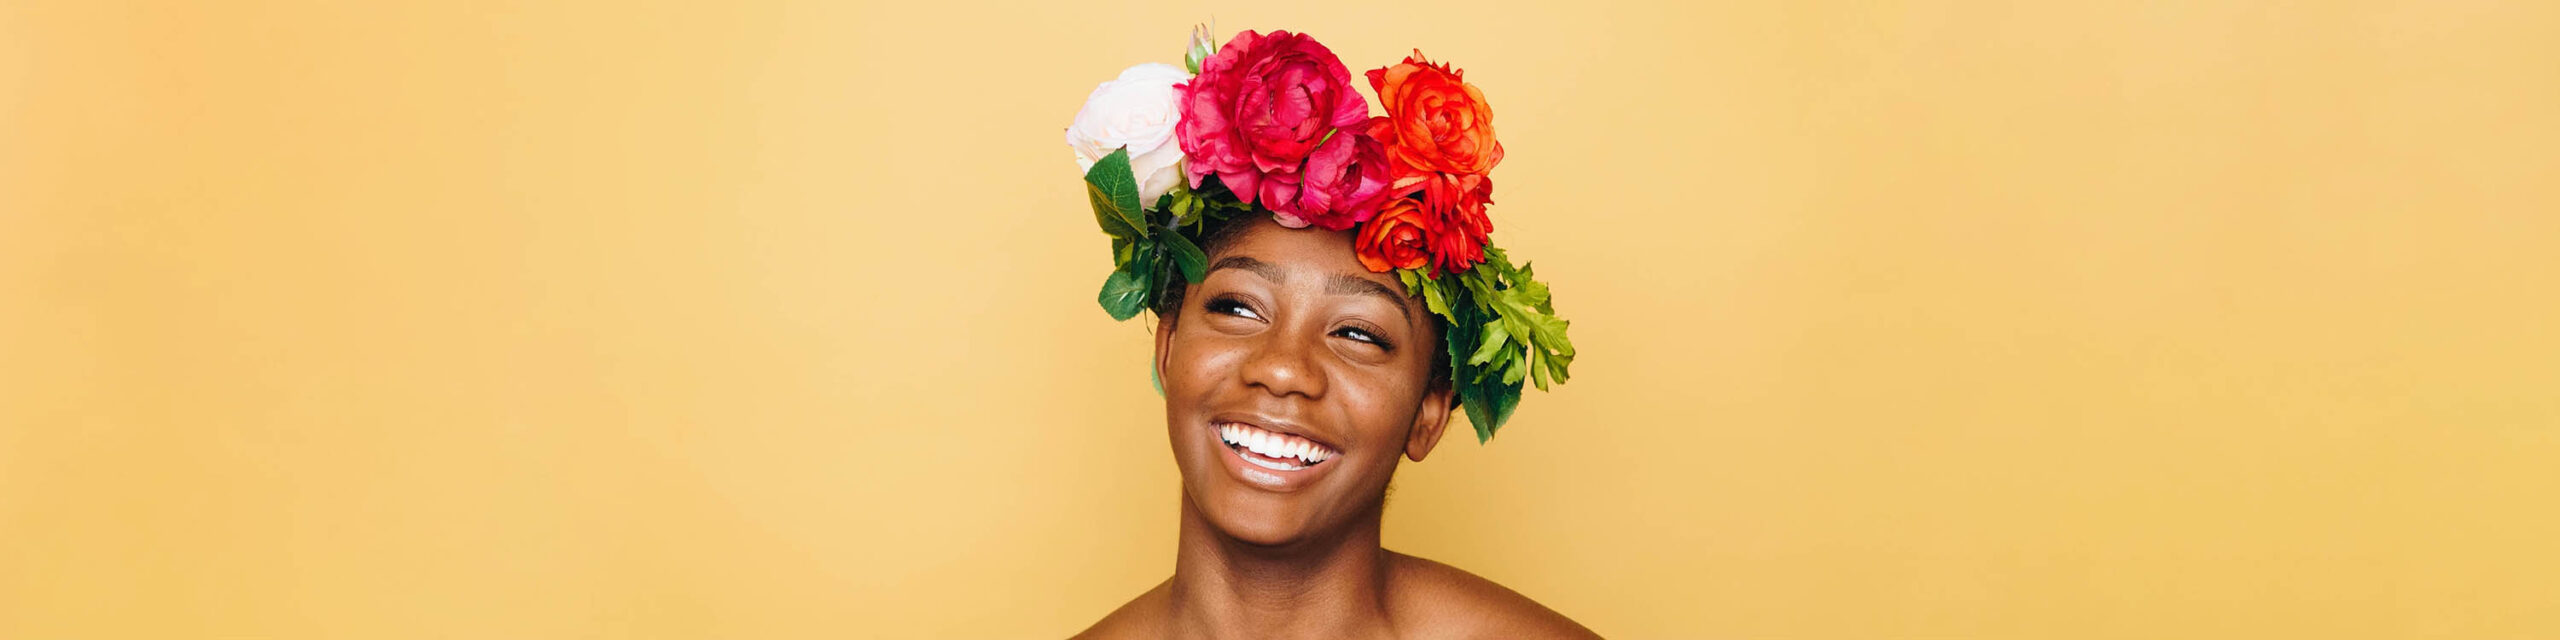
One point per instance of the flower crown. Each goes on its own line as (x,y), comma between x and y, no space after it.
(1271,122)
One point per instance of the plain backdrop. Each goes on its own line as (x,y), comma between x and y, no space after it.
(768,319)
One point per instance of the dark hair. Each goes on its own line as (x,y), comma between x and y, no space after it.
(1215,235)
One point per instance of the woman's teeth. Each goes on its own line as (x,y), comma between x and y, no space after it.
(1274,445)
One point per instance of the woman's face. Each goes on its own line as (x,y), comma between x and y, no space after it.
(1293,379)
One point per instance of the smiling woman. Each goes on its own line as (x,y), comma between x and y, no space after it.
(1295,382)
(1329,300)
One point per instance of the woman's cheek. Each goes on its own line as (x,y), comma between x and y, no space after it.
(1199,358)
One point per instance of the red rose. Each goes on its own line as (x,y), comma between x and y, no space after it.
(1259,108)
(1399,237)
(1455,205)
(1435,122)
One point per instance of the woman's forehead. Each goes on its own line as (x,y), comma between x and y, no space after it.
(1321,254)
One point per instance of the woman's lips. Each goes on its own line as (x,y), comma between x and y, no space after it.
(1271,451)
(1275,446)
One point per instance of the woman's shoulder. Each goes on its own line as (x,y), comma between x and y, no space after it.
(1437,600)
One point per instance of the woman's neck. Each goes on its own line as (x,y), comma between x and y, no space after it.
(1328,587)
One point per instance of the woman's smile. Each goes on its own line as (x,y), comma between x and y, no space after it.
(1271,458)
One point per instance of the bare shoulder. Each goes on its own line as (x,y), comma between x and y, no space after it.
(1434,600)
(1142,617)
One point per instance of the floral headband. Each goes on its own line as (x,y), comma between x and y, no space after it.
(1272,122)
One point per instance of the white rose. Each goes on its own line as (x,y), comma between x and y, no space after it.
(1137,111)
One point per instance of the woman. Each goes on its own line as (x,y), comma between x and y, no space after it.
(1313,283)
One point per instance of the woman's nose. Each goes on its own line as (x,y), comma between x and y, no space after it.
(1284,364)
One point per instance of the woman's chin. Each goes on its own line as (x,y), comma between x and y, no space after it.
(1256,520)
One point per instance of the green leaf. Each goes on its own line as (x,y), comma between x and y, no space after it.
(1428,288)
(1187,256)
(1548,330)
(1184,205)
(1186,211)
(1108,218)
(1494,335)
(1124,293)
(1533,292)
(1479,282)
(1538,371)
(1488,402)
(1499,258)
(1113,189)
(1516,320)
(1488,406)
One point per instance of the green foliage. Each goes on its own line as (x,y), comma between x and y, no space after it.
(1124,293)
(1538,346)
(1114,193)
(1503,334)
(1186,256)
(1185,207)
(1150,247)
(1486,398)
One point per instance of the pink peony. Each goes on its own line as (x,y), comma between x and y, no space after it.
(1346,180)
(1261,108)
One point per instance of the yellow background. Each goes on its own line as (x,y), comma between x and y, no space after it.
(767,319)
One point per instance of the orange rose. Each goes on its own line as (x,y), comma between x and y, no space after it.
(1435,122)
(1438,132)
(1399,237)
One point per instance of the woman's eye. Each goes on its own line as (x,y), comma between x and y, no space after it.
(1362,335)
(1230,306)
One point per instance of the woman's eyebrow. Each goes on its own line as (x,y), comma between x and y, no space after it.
(1347,283)
(1264,269)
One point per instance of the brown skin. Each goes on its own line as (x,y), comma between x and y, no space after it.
(1283,331)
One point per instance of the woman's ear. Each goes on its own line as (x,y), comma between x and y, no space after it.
(1164,349)
(1429,423)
